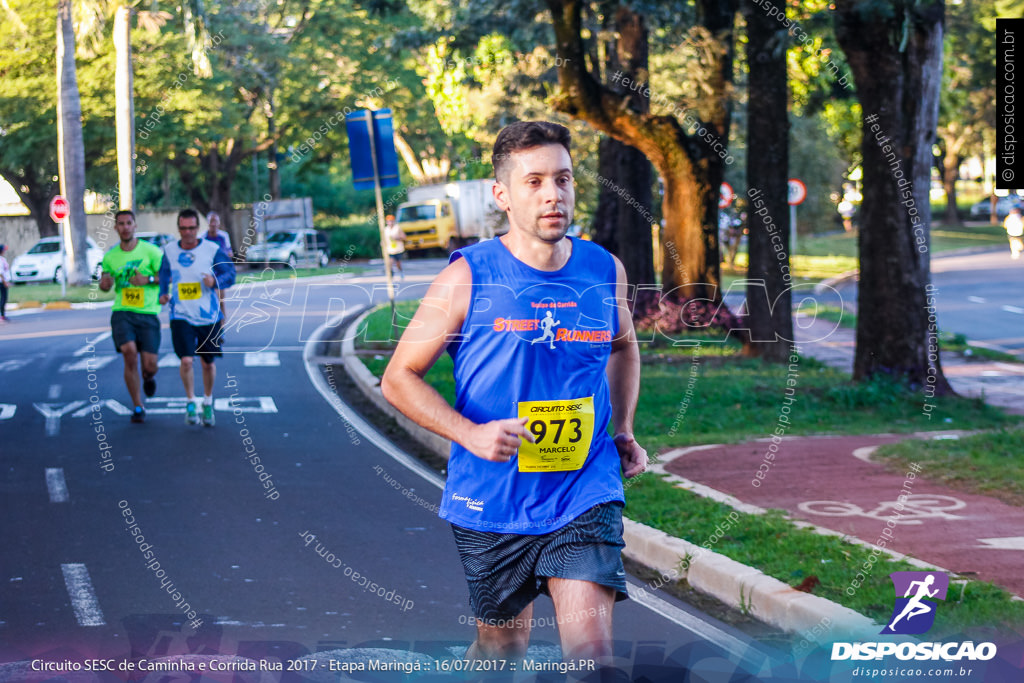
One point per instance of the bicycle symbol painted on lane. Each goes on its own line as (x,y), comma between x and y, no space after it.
(914,510)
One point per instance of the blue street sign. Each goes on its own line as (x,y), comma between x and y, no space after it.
(368,132)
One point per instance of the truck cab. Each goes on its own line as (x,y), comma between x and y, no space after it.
(428,224)
(449,215)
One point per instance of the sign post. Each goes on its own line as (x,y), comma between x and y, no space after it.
(797,194)
(371,144)
(60,209)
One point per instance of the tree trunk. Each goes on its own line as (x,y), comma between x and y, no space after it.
(769,302)
(690,165)
(210,189)
(71,149)
(898,87)
(622,222)
(125,109)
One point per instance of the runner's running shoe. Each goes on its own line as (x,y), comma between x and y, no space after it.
(191,416)
(208,418)
(139,414)
(149,386)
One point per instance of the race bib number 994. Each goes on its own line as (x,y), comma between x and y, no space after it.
(188,291)
(563,432)
(132,297)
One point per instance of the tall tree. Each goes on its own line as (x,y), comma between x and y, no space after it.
(70,143)
(690,159)
(769,302)
(623,218)
(125,105)
(967,99)
(895,52)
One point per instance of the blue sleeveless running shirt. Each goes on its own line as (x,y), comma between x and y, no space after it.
(535,343)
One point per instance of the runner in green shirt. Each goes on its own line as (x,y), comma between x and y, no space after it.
(133,269)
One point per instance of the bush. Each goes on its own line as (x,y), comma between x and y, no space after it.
(359,241)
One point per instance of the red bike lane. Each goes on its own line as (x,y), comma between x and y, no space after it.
(822,480)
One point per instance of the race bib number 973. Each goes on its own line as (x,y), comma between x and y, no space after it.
(188,291)
(562,430)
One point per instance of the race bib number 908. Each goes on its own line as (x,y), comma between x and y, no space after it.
(563,432)
(188,291)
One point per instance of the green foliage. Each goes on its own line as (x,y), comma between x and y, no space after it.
(359,241)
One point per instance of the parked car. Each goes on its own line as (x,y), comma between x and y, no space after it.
(1003,205)
(157,238)
(294,247)
(43,263)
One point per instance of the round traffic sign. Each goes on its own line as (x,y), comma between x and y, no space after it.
(797,192)
(725,195)
(59,208)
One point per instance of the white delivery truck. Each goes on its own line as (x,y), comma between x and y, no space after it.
(450,215)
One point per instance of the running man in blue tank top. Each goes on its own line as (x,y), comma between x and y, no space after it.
(534,490)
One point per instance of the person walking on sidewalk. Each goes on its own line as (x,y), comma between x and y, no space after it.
(1014,226)
(395,237)
(191,274)
(5,280)
(132,268)
(534,490)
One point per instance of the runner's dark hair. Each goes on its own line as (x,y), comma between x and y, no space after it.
(122,212)
(521,135)
(188,213)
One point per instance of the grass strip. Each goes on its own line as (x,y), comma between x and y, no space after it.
(34,294)
(848,574)
(988,464)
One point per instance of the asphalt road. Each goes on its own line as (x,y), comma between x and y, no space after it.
(328,544)
(979,295)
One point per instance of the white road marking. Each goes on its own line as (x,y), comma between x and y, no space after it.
(83,597)
(53,413)
(1008,543)
(110,403)
(262,359)
(169,361)
(91,346)
(54,393)
(1013,309)
(7,411)
(264,404)
(703,629)
(976,299)
(56,485)
(174,405)
(91,363)
(14,364)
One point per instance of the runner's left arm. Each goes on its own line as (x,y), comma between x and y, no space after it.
(223,270)
(165,279)
(624,382)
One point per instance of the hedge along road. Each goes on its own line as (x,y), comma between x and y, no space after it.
(290,527)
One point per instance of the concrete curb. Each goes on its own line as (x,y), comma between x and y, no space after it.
(735,584)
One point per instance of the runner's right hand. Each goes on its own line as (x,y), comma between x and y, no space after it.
(497,440)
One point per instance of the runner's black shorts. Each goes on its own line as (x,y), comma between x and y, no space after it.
(141,328)
(196,340)
(506,572)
